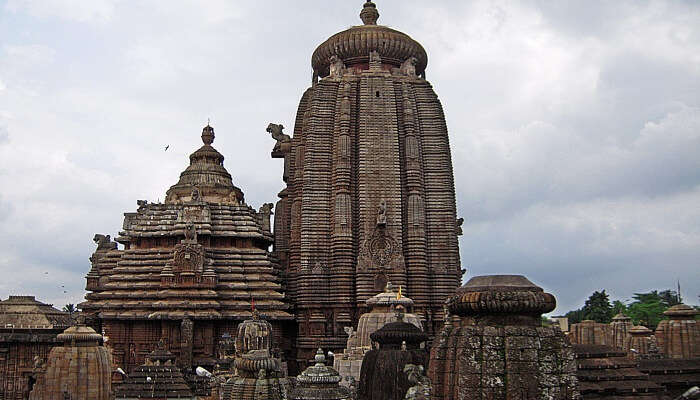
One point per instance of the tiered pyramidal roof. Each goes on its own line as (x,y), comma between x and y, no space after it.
(200,256)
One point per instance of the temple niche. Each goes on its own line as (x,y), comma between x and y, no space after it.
(189,272)
(369,194)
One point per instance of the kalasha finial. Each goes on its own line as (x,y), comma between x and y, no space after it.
(208,134)
(369,13)
(320,358)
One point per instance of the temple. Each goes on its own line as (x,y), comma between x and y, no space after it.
(353,292)
(369,194)
(28,332)
(191,269)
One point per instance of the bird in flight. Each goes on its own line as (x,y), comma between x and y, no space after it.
(167,147)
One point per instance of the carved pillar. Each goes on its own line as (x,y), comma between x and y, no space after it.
(186,342)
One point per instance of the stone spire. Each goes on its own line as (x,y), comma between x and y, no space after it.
(205,179)
(679,335)
(80,369)
(319,382)
(369,13)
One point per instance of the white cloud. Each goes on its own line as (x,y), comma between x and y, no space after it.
(93,11)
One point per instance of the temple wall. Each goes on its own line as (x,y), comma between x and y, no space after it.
(17,363)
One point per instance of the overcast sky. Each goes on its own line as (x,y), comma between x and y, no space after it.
(574,126)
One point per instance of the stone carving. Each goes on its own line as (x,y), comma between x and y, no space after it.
(189,257)
(380,248)
(381,213)
(276,131)
(104,242)
(265,212)
(352,337)
(141,203)
(369,14)
(421,389)
(458,226)
(374,57)
(337,67)
(190,232)
(196,196)
(409,66)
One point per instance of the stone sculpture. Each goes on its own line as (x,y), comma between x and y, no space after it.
(337,68)
(104,242)
(421,389)
(276,131)
(408,67)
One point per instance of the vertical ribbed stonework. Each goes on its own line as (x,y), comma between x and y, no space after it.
(415,247)
(379,188)
(370,192)
(294,190)
(341,244)
(440,207)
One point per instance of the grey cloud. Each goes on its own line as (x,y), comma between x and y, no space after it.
(573,127)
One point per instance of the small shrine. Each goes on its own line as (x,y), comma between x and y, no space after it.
(496,347)
(382,310)
(258,374)
(383,375)
(679,335)
(320,382)
(80,369)
(158,378)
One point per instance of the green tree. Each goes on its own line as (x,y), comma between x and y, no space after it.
(619,307)
(69,308)
(575,316)
(648,308)
(598,307)
(647,313)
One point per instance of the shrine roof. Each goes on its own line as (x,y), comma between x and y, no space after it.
(215,219)
(353,46)
(20,312)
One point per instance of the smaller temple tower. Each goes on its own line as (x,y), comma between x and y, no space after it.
(81,369)
(638,340)
(158,378)
(189,272)
(399,344)
(498,348)
(28,331)
(320,382)
(383,310)
(258,373)
(619,327)
(679,336)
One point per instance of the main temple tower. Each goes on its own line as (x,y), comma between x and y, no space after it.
(370,192)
